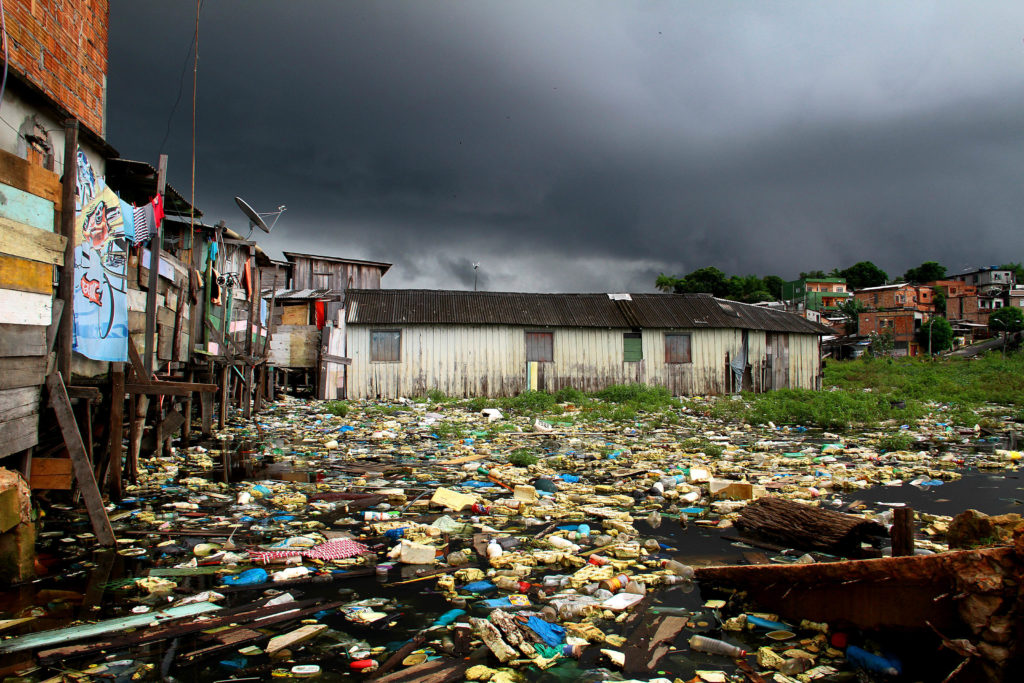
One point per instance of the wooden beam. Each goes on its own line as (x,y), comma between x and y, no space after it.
(138,367)
(33,178)
(902,532)
(66,290)
(168,388)
(79,461)
(224,394)
(24,275)
(149,347)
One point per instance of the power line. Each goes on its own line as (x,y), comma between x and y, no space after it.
(181,79)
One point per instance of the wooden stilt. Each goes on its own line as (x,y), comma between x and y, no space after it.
(186,427)
(140,410)
(247,391)
(902,531)
(225,392)
(79,462)
(116,433)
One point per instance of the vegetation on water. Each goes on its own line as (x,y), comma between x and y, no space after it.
(863,392)
(339,408)
(523,457)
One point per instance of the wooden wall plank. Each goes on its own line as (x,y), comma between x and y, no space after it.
(26,208)
(20,433)
(51,473)
(22,372)
(25,308)
(17,403)
(32,178)
(25,276)
(22,340)
(18,239)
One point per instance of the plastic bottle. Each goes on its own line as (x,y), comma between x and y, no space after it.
(863,659)
(449,617)
(678,568)
(598,560)
(563,544)
(714,646)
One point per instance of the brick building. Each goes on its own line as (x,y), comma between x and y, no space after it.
(57,70)
(898,309)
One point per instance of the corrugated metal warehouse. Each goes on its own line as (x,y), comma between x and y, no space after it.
(408,342)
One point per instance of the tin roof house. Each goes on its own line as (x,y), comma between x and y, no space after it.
(407,342)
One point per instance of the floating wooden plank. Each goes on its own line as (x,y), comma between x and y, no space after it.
(32,178)
(51,473)
(443,670)
(21,371)
(36,641)
(25,308)
(79,460)
(796,525)
(25,241)
(26,207)
(24,275)
(22,340)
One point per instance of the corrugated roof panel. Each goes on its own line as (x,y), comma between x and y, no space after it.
(398,306)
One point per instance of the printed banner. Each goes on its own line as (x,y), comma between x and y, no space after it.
(101,260)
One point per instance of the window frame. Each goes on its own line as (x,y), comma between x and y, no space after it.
(399,345)
(638,336)
(550,345)
(670,354)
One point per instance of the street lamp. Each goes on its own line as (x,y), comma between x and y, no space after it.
(1001,324)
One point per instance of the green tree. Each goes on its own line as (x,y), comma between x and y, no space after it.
(850,310)
(668,283)
(929,271)
(864,274)
(709,280)
(773,285)
(1007,319)
(939,301)
(882,343)
(936,335)
(748,289)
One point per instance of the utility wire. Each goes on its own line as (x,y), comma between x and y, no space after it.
(181,81)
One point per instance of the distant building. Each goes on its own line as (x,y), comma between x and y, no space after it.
(814,294)
(898,309)
(988,280)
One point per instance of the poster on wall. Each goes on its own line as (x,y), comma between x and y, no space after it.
(101,260)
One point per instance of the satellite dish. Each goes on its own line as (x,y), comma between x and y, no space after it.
(254,218)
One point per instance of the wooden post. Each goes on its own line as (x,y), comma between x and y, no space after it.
(116,428)
(149,347)
(79,461)
(66,289)
(225,390)
(186,408)
(902,532)
(139,413)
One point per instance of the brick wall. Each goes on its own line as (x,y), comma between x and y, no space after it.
(61,46)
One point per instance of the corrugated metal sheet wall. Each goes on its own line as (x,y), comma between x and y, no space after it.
(490,360)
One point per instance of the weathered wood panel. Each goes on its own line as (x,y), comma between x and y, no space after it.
(32,178)
(18,239)
(295,314)
(22,371)
(469,360)
(22,340)
(19,433)
(294,346)
(24,275)
(25,308)
(26,208)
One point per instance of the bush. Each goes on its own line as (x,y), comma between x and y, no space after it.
(896,442)
(570,395)
(936,335)
(522,457)
(339,408)
(530,402)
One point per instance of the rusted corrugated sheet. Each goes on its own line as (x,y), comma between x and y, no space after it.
(396,306)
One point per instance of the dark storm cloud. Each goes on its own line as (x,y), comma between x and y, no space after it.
(572,147)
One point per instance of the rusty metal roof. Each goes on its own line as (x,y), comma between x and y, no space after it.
(421,306)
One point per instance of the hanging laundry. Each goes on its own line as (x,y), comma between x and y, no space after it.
(215,288)
(147,219)
(247,279)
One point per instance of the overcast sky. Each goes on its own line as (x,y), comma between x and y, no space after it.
(589,146)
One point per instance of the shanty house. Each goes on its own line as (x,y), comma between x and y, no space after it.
(407,342)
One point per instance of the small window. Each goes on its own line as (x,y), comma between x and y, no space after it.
(385,346)
(677,348)
(540,347)
(632,347)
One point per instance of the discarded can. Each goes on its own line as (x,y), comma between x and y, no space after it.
(616,583)
(378,516)
(481,509)
(364,665)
